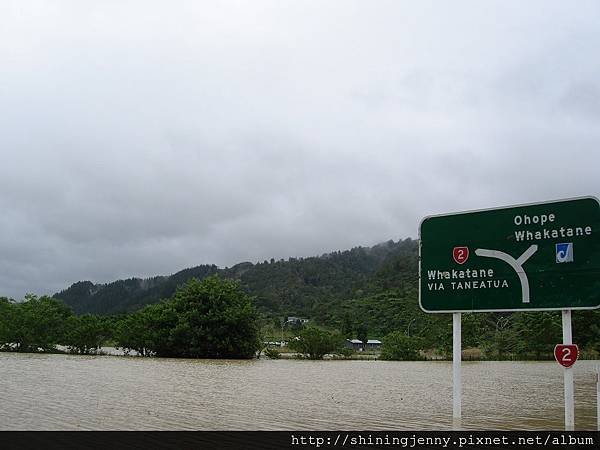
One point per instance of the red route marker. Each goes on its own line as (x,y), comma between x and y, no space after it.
(460,254)
(566,354)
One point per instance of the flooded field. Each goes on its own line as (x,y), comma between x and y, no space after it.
(65,392)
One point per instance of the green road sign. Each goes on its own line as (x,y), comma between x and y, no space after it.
(543,256)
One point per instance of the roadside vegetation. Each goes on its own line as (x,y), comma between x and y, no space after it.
(209,319)
(242,311)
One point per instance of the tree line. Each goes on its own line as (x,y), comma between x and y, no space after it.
(213,318)
(217,318)
(365,292)
(407,333)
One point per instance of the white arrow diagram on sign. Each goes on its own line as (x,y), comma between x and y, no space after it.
(516,264)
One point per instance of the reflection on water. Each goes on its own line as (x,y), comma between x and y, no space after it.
(64,392)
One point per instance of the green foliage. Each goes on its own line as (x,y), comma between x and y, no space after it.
(529,335)
(135,332)
(37,324)
(586,329)
(292,287)
(128,295)
(345,352)
(346,329)
(315,343)
(539,332)
(373,288)
(272,353)
(396,346)
(499,338)
(40,324)
(209,319)
(216,319)
(86,334)
(436,332)
(362,333)
(7,319)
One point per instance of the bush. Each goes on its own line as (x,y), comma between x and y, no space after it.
(345,352)
(86,334)
(209,319)
(397,346)
(36,324)
(315,343)
(272,353)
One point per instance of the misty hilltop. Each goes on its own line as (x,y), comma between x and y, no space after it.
(296,286)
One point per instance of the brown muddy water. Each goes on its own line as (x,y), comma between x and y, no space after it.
(65,392)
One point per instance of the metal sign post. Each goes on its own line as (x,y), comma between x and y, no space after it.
(598,396)
(456,366)
(568,374)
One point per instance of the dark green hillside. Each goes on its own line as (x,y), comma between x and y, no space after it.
(363,291)
(304,286)
(127,295)
(297,286)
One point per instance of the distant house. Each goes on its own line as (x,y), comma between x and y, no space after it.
(373,344)
(357,344)
(354,344)
(297,320)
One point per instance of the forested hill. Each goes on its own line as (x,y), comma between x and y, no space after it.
(369,291)
(314,287)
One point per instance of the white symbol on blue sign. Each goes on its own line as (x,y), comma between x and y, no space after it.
(564,252)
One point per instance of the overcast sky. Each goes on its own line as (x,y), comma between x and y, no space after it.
(142,137)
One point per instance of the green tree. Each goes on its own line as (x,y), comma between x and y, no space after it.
(131,333)
(346,328)
(39,324)
(362,333)
(538,332)
(209,319)
(272,353)
(345,352)
(7,321)
(160,321)
(396,346)
(148,331)
(86,334)
(586,329)
(315,343)
(499,338)
(215,319)
(438,333)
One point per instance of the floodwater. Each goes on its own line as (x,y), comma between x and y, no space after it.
(68,392)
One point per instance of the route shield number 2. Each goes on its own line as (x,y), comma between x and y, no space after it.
(566,355)
(460,254)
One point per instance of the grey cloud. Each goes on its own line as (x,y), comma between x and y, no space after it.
(139,138)
(582,99)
